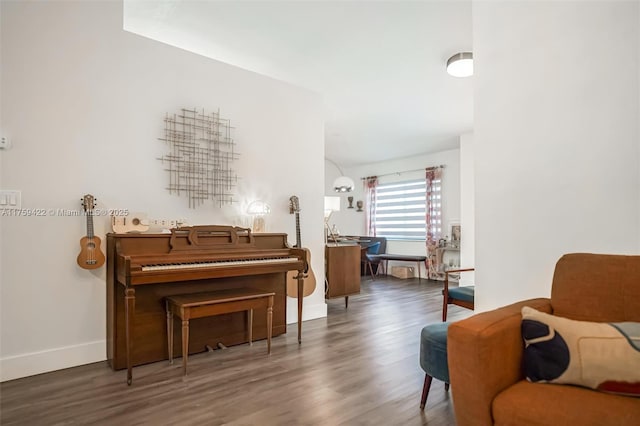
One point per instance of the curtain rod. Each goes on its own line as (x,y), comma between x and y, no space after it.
(442,166)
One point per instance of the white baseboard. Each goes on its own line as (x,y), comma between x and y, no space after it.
(30,364)
(15,367)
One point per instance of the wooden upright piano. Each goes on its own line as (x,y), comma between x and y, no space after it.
(142,269)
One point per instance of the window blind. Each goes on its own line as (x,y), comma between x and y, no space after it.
(400,211)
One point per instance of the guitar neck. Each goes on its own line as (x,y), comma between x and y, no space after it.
(90,223)
(298,239)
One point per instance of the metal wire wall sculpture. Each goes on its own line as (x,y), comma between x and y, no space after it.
(201,151)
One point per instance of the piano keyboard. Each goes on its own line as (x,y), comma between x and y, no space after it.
(221,263)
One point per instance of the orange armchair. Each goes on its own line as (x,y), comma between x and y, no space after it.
(485,351)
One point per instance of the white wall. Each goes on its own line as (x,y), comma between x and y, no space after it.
(84,103)
(556,139)
(351,222)
(467,208)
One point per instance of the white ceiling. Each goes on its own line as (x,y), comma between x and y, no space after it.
(380,66)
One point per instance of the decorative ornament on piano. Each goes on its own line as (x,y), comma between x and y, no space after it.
(134,222)
(200,154)
(139,222)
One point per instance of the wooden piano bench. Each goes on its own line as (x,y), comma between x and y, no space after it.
(200,305)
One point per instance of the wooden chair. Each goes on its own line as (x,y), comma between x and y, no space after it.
(461,296)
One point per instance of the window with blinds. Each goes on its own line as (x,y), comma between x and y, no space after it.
(400,211)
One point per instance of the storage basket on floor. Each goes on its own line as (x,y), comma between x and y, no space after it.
(402,272)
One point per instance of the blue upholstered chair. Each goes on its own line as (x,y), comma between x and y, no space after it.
(433,357)
(368,257)
(461,296)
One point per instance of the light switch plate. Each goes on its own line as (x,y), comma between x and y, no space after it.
(10,199)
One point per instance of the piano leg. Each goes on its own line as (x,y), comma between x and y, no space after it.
(269,323)
(169,332)
(250,323)
(300,296)
(129,314)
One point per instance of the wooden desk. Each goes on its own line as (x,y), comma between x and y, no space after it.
(342,271)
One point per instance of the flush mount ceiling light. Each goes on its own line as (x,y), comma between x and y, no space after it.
(460,64)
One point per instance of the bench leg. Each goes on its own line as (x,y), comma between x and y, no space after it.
(250,323)
(419,272)
(185,345)
(269,323)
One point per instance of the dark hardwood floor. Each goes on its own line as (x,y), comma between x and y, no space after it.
(356,367)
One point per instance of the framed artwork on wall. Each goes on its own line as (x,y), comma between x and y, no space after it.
(456,234)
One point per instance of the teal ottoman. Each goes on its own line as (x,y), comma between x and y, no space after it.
(433,356)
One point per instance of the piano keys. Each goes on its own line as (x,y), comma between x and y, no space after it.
(218,264)
(142,269)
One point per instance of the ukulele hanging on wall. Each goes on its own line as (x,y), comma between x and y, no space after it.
(90,256)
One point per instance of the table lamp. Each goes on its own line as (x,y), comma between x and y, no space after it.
(258,209)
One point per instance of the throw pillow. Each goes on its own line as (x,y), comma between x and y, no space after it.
(601,356)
